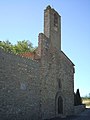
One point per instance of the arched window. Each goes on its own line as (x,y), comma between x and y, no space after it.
(55,20)
(60,105)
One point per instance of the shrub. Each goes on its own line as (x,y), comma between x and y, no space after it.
(77,98)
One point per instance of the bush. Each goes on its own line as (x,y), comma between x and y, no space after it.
(77,98)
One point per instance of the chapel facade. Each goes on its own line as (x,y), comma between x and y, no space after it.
(57,70)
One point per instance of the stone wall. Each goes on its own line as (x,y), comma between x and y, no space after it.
(78,109)
(19,87)
(56,69)
(67,77)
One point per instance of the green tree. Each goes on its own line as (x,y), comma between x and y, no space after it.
(77,98)
(6,45)
(20,47)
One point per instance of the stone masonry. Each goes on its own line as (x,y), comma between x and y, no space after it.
(38,89)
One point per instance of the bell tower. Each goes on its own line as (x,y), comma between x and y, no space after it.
(52,27)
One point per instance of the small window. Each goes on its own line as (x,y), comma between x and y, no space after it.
(55,20)
(59,83)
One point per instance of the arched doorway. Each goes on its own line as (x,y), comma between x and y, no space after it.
(60,105)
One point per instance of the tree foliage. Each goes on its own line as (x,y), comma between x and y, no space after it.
(21,46)
(77,98)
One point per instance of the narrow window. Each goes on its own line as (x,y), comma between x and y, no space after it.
(59,83)
(55,20)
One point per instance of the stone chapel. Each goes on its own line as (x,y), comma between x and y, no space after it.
(41,86)
(57,71)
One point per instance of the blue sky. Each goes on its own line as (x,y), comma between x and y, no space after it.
(23,19)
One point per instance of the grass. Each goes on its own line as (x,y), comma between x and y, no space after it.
(86,101)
